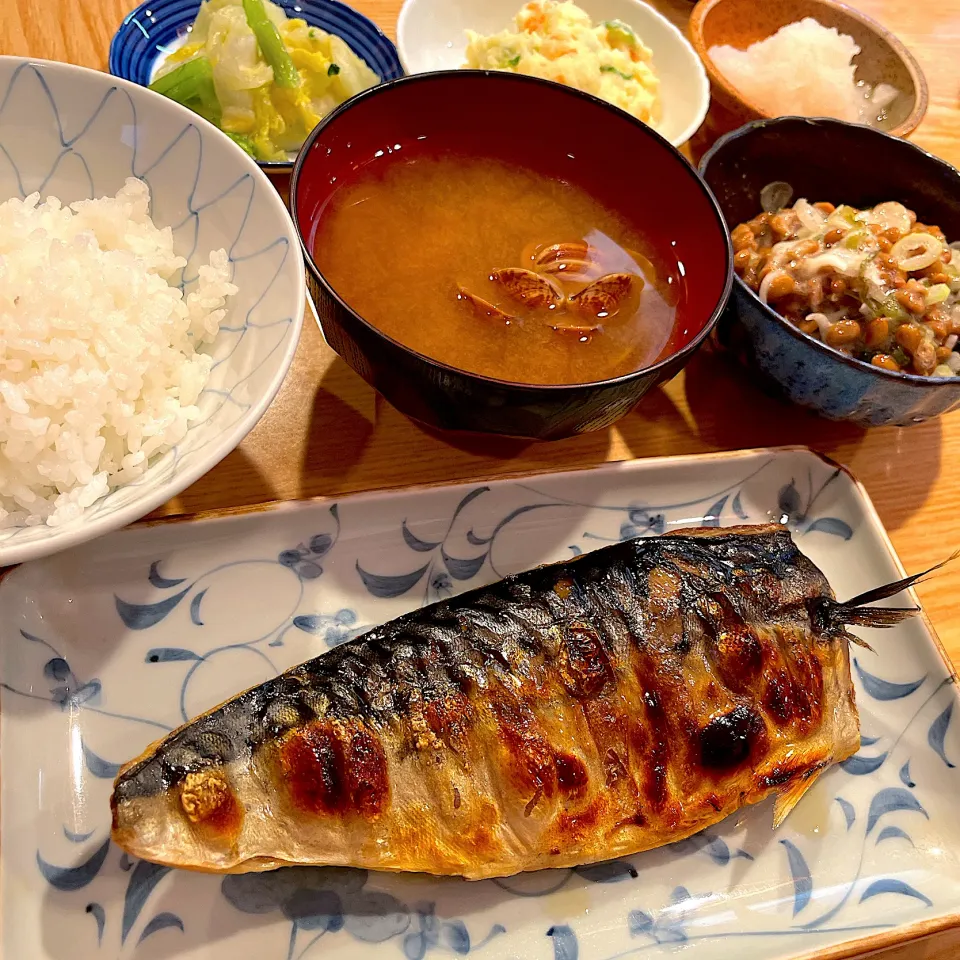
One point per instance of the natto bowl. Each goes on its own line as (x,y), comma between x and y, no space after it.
(740,23)
(827,160)
(620,161)
(155,27)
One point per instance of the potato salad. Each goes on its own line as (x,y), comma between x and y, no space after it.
(558,41)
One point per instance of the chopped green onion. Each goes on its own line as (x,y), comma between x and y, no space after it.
(191,84)
(607,68)
(900,355)
(846,213)
(618,30)
(271,46)
(887,307)
(937,294)
(954,275)
(312,34)
(244,143)
(332,70)
(893,309)
(512,62)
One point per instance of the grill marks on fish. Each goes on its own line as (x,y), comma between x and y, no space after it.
(331,769)
(728,740)
(583,662)
(605,705)
(732,646)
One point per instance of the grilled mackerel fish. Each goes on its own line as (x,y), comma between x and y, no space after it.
(590,709)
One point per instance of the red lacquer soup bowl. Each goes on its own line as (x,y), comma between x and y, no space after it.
(557,132)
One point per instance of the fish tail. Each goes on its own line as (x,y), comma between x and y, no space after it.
(829,615)
(875,616)
(898,586)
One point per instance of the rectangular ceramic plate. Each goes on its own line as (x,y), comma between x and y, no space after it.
(107,647)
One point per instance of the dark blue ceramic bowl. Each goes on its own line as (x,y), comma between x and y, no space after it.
(840,163)
(147,31)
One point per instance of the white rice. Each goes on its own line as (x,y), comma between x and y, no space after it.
(807,70)
(100,369)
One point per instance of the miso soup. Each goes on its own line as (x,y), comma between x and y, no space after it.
(485,266)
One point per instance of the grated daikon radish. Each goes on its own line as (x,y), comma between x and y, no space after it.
(804,69)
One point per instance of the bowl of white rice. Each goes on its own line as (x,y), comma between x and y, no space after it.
(151,297)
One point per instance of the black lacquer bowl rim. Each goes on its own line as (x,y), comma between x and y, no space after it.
(740,287)
(683,354)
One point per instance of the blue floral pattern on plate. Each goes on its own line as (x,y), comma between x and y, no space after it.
(103,652)
(76,133)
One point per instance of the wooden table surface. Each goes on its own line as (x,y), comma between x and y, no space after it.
(327,433)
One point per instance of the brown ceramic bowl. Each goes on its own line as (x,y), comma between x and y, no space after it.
(645,179)
(739,23)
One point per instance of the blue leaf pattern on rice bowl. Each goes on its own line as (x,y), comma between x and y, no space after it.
(74,134)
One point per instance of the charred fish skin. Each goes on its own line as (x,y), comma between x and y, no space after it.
(585,710)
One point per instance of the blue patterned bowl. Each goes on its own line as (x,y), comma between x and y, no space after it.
(75,133)
(842,163)
(151,28)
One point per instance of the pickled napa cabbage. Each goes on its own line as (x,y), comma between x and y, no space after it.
(274,77)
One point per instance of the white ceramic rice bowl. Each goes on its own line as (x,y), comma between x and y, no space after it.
(430,36)
(74,133)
